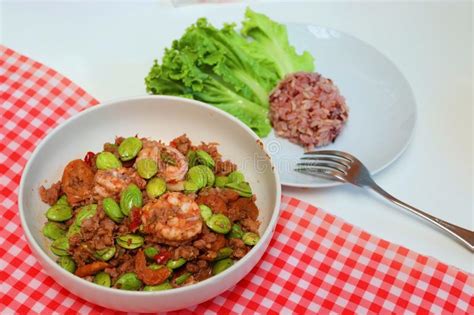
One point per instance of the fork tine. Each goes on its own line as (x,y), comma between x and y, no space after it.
(338,161)
(328,174)
(321,165)
(340,154)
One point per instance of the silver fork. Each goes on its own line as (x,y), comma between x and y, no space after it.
(341,166)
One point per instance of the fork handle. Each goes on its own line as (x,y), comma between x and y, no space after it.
(465,236)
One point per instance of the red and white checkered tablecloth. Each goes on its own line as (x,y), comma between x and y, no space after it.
(316,262)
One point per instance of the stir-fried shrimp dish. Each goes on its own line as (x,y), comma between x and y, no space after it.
(145,215)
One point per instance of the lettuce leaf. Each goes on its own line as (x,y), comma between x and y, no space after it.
(270,39)
(226,69)
(180,75)
(229,56)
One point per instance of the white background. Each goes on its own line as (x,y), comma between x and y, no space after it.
(107,47)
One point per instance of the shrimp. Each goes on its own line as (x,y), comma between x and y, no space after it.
(147,275)
(109,183)
(173,218)
(91,269)
(171,163)
(77,181)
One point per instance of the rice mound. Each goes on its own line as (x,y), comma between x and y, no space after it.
(307,109)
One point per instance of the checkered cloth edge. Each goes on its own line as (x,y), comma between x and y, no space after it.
(315,263)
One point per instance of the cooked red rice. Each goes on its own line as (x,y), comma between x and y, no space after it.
(308,109)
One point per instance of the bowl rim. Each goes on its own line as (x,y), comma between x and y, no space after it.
(202,284)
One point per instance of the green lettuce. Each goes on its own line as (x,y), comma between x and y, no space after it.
(225,69)
(230,57)
(180,75)
(271,40)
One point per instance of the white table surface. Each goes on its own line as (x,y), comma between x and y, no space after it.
(107,48)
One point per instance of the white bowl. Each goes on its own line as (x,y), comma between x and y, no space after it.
(158,117)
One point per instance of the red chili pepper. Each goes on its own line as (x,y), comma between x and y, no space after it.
(162,257)
(136,219)
(88,158)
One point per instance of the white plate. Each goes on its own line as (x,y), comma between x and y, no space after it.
(382,109)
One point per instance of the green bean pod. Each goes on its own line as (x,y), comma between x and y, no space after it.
(190,187)
(128,281)
(129,148)
(106,161)
(210,176)
(147,168)
(160,287)
(130,241)
(103,279)
(60,246)
(250,238)
(67,263)
(222,265)
(155,187)
(182,278)
(192,158)
(236,177)
(59,213)
(62,201)
(175,263)
(243,188)
(83,213)
(53,230)
(73,229)
(198,176)
(205,159)
(150,252)
(219,223)
(112,209)
(105,254)
(129,198)
(224,252)
(206,212)
(221,181)
(236,231)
